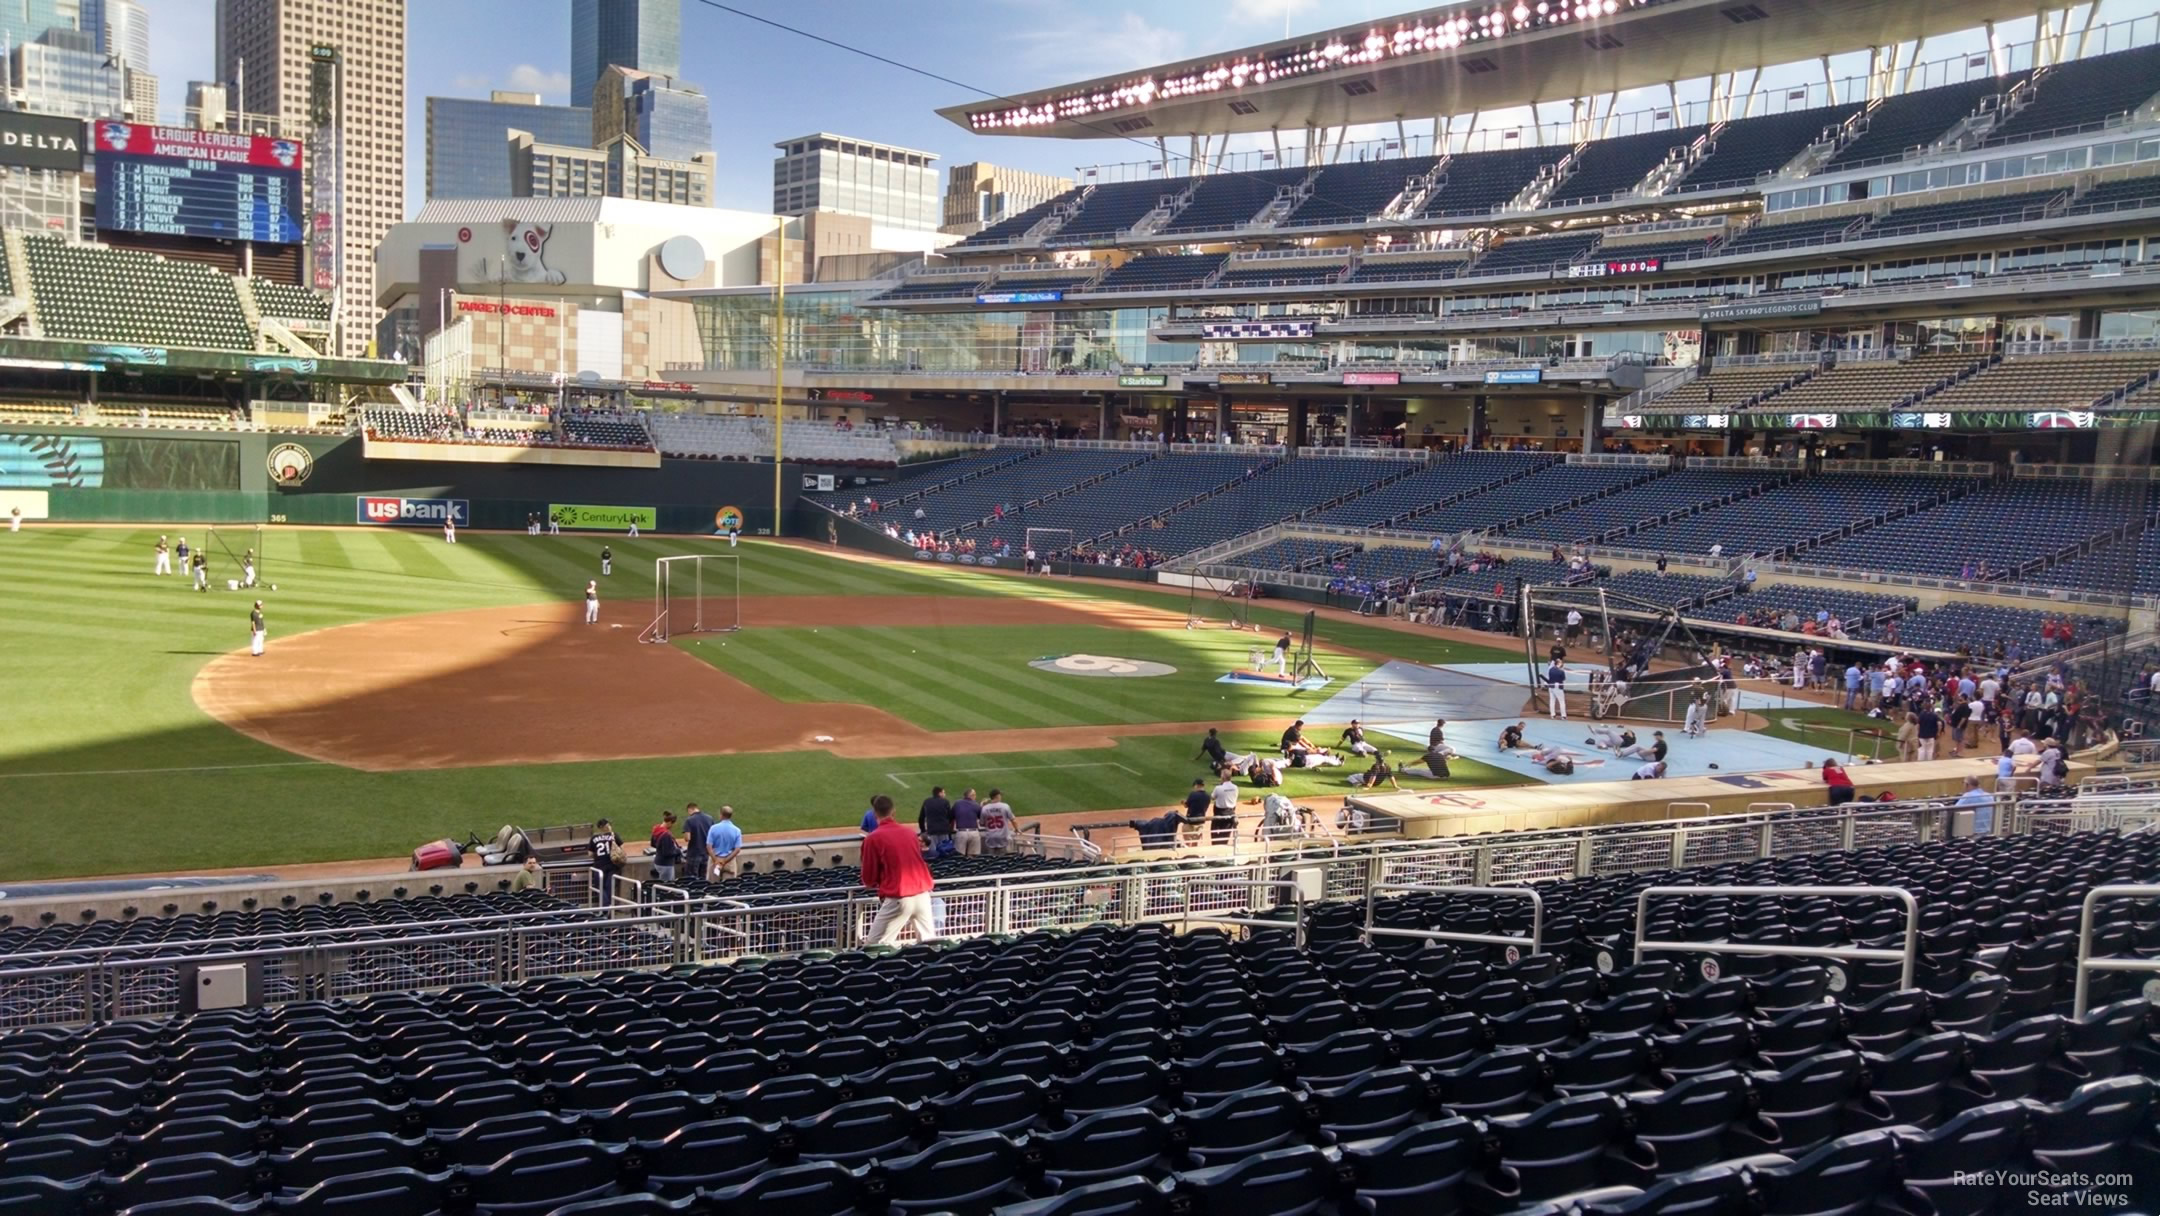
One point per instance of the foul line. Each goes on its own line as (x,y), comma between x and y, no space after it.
(195,768)
(895,778)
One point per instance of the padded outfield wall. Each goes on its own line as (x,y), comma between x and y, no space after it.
(105,474)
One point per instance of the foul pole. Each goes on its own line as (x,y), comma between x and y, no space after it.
(779,362)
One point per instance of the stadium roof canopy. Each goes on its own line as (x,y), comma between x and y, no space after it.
(1463,58)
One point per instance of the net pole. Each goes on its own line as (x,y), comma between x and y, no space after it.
(697,579)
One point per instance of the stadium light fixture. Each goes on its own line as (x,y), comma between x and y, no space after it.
(1424,33)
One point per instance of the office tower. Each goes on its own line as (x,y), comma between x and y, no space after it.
(641,34)
(208,105)
(63,72)
(895,187)
(274,39)
(666,117)
(467,150)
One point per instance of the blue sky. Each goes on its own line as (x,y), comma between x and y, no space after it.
(768,85)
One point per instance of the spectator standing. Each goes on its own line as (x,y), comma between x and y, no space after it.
(1853,680)
(935,821)
(607,858)
(724,841)
(1927,728)
(999,824)
(1224,805)
(892,865)
(666,851)
(1908,739)
(697,856)
(967,825)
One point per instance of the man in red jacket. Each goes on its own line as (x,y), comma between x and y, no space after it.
(892,865)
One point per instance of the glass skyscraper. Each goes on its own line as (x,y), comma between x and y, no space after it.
(669,119)
(23,20)
(468,150)
(641,34)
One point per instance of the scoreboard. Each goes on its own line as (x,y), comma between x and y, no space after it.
(175,181)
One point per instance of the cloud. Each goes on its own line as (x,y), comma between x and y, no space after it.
(468,82)
(1094,44)
(525,78)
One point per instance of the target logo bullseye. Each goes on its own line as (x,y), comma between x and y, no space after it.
(1101,665)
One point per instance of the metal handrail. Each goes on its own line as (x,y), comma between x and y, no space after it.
(1907,957)
(1537,915)
(2086,963)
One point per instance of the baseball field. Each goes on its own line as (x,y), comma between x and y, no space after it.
(413,689)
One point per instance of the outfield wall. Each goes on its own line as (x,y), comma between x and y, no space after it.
(103,474)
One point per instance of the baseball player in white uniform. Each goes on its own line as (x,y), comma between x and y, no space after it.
(164,558)
(592,601)
(1556,690)
(449,530)
(247,568)
(256,630)
(734,537)
(554,525)
(633,528)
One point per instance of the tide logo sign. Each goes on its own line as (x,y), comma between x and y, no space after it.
(412,512)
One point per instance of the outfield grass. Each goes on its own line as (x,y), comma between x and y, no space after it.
(107,766)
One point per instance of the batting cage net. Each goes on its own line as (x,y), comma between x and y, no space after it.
(1218,603)
(1625,657)
(695,593)
(236,556)
(1051,546)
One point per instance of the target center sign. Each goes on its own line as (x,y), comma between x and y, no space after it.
(1101,666)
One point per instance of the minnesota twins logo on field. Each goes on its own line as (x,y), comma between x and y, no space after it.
(290,464)
(1100,665)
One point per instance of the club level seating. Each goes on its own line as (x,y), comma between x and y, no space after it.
(1294,553)
(927,476)
(1009,489)
(1231,200)
(1478,183)
(1780,515)
(740,437)
(1964,213)
(1613,166)
(1669,589)
(2049,514)
(936,287)
(1160,272)
(603,429)
(1275,494)
(1090,1071)
(1046,282)
(2083,93)
(1267,274)
(289,303)
(1747,148)
(1684,247)
(1515,573)
(1535,253)
(2125,567)
(1548,487)
(2120,195)
(1729,387)
(1112,208)
(1901,124)
(1849,607)
(1875,384)
(825,878)
(1353,193)
(1403,268)
(95,294)
(2051,382)
(1980,625)
(407,422)
(1380,563)
(1647,501)
(1016,226)
(1153,486)
(1449,477)
(1787,233)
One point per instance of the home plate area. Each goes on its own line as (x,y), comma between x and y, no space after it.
(1401,700)
(1101,666)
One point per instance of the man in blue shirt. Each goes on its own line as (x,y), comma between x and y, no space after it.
(724,841)
(1852,683)
(869,822)
(1982,805)
(1874,686)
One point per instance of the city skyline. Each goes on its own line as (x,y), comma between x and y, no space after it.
(767,84)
